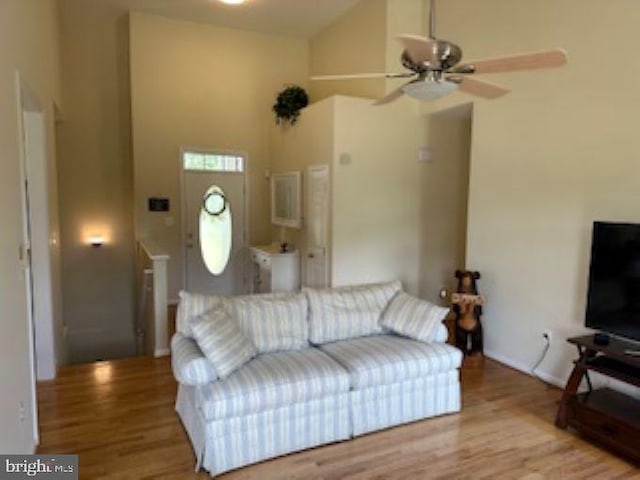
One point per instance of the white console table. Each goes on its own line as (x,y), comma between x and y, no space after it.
(274,271)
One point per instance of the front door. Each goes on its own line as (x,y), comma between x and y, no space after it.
(198,278)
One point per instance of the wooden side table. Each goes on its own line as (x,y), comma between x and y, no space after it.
(609,417)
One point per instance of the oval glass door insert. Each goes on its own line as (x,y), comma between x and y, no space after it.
(215,230)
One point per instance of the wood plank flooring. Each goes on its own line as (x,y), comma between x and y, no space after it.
(118,417)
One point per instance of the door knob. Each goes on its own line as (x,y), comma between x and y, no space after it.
(311,255)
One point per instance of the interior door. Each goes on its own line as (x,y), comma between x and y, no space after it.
(233,279)
(27,105)
(316,260)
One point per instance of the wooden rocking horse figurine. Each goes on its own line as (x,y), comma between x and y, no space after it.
(467,305)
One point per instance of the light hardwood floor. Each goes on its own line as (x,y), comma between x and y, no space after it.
(118,416)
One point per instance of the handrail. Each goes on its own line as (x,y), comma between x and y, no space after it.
(153,250)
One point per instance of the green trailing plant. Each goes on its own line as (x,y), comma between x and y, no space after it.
(289,103)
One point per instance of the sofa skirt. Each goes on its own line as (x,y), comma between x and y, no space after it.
(384,406)
(230,443)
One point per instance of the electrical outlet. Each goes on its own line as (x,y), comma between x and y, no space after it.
(21,412)
(546,334)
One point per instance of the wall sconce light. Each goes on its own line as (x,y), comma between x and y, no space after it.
(96,241)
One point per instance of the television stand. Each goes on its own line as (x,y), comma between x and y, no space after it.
(609,417)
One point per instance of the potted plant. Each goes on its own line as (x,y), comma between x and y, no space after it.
(289,103)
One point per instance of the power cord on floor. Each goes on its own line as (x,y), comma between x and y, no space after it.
(542,355)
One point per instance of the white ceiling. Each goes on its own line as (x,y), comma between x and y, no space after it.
(298,18)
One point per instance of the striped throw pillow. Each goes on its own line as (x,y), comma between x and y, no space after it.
(348,312)
(191,306)
(414,318)
(275,321)
(222,342)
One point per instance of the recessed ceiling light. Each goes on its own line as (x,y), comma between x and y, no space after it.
(232,2)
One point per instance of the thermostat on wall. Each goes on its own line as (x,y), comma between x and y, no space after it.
(158,204)
(425,155)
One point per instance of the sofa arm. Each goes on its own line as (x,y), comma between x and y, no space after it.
(189,364)
(442,334)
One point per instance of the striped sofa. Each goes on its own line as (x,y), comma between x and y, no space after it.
(330,365)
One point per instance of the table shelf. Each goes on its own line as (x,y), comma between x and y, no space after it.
(605,415)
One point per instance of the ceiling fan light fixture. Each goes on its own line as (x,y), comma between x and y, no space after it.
(232,2)
(430,89)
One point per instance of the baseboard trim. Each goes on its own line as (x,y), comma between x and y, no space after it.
(544,376)
(161,352)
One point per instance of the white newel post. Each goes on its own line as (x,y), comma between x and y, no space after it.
(155,323)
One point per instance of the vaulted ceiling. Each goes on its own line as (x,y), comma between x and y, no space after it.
(298,18)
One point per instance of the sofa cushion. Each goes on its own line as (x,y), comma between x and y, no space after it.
(413,317)
(275,321)
(272,380)
(189,364)
(222,342)
(191,306)
(348,312)
(385,359)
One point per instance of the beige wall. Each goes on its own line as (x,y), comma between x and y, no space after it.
(402,17)
(28,43)
(202,86)
(433,195)
(364,41)
(556,154)
(95,181)
(376,193)
(309,142)
(355,43)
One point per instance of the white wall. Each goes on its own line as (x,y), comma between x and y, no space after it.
(46,317)
(203,86)
(547,160)
(29,43)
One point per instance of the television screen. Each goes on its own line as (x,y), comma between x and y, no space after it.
(613,300)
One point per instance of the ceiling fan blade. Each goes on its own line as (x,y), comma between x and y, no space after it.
(479,88)
(391,96)
(420,49)
(356,76)
(513,63)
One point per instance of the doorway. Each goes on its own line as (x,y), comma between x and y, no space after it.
(445,193)
(210,178)
(35,249)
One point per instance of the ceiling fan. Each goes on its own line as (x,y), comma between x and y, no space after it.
(436,66)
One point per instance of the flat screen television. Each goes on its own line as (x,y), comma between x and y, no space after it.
(613,299)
